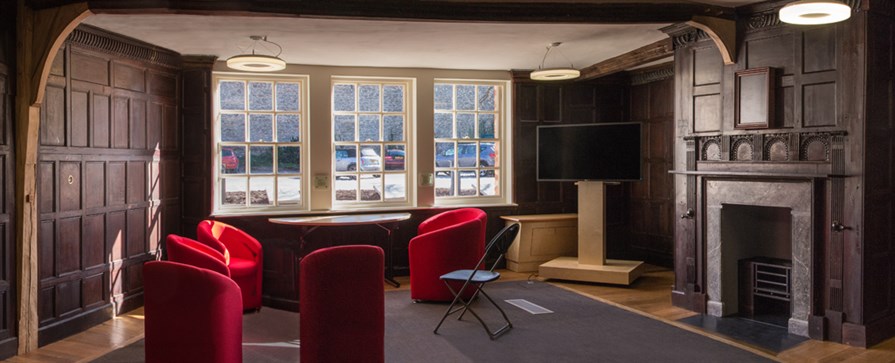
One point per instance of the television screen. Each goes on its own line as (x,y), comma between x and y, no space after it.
(600,152)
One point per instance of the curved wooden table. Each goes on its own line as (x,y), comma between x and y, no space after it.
(386,221)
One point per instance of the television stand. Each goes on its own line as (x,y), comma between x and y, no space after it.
(591,264)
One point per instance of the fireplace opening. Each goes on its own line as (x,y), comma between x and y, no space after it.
(757,246)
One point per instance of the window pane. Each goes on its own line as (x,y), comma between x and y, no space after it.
(261,159)
(234,190)
(444,183)
(287,128)
(486,98)
(393,128)
(444,97)
(488,181)
(233,159)
(394,158)
(288,159)
(467,183)
(233,127)
(288,190)
(444,154)
(370,185)
(344,128)
(486,125)
(261,127)
(444,125)
(346,158)
(233,96)
(465,125)
(488,154)
(343,97)
(261,190)
(287,97)
(465,97)
(370,159)
(393,98)
(394,187)
(368,128)
(368,98)
(467,155)
(260,96)
(346,187)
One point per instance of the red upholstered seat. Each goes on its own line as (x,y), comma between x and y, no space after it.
(194,253)
(342,305)
(445,242)
(192,314)
(243,255)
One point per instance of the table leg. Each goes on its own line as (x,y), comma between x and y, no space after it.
(389,266)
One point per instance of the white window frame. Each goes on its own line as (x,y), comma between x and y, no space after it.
(303,144)
(409,114)
(501,138)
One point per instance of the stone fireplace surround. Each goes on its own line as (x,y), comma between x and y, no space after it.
(721,274)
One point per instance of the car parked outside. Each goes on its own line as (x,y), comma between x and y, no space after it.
(466,156)
(229,161)
(394,159)
(346,159)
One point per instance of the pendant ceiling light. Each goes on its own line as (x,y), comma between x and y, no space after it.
(255,62)
(554,74)
(811,12)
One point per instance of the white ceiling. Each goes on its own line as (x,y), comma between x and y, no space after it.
(384,43)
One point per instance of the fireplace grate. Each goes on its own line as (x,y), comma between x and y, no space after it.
(771,280)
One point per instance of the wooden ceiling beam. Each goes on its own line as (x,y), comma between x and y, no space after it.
(645,54)
(431,10)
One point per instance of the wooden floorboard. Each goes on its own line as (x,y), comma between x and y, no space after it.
(649,296)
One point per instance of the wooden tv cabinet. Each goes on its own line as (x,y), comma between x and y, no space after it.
(542,237)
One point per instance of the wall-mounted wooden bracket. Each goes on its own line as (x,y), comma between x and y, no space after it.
(722,31)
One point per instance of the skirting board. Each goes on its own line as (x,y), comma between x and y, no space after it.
(619,272)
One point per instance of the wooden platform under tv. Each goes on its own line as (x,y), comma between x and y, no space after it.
(591,265)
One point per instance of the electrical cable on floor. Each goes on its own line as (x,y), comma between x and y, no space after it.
(532,277)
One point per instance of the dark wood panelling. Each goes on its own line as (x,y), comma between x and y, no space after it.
(94,194)
(8,331)
(196,166)
(651,199)
(834,108)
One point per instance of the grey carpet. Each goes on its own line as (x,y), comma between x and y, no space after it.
(580,330)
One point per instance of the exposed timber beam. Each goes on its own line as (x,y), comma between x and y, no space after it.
(645,54)
(436,10)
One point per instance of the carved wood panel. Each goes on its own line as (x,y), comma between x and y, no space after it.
(98,180)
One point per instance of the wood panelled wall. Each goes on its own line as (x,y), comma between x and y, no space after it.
(8,331)
(599,101)
(832,122)
(109,131)
(652,200)
(878,278)
(196,144)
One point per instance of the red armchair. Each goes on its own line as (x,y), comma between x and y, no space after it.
(243,255)
(191,252)
(192,314)
(445,242)
(342,305)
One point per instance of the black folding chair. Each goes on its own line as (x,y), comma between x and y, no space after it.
(477,279)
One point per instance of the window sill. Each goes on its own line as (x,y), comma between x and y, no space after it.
(354,210)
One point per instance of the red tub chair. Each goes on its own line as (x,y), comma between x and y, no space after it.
(242,254)
(192,314)
(342,305)
(194,253)
(445,242)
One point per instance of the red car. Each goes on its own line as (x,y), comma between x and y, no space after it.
(229,161)
(394,160)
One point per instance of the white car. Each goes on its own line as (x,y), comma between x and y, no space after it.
(346,159)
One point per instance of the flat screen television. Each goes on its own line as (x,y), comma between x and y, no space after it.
(599,152)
